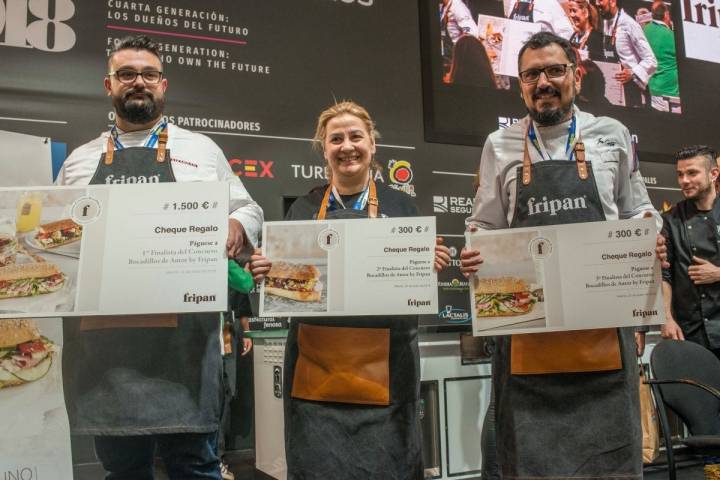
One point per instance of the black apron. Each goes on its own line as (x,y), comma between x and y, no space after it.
(566,425)
(163,374)
(350,441)
(523,11)
(633,93)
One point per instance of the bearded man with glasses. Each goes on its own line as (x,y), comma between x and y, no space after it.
(554,418)
(149,385)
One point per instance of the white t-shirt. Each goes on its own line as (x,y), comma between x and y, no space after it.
(194,158)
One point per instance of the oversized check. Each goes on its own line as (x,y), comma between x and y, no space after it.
(381,266)
(566,277)
(113,250)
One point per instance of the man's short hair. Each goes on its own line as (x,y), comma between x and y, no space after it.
(542,40)
(136,42)
(707,153)
(659,9)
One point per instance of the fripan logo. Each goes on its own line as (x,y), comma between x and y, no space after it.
(450,204)
(413,302)
(28,24)
(252,168)
(401,175)
(644,313)
(454,315)
(112,179)
(198,299)
(555,205)
(21,473)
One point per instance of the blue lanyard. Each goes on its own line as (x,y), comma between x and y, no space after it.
(572,131)
(360,203)
(149,143)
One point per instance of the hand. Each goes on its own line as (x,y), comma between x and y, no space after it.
(259,266)
(703,272)
(236,238)
(470,260)
(247,346)
(640,343)
(661,251)
(624,76)
(671,330)
(442,255)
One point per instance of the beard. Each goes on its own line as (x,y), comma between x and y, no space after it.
(550,116)
(702,191)
(138,111)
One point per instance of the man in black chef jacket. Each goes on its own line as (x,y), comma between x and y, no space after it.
(691,285)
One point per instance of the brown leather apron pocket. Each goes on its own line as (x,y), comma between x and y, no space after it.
(343,364)
(564,352)
(168,320)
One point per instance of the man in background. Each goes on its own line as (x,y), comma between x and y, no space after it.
(663,85)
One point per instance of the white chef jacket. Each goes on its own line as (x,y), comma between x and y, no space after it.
(551,17)
(456,15)
(608,148)
(632,47)
(195,158)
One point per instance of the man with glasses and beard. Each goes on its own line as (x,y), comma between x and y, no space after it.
(582,419)
(691,285)
(150,384)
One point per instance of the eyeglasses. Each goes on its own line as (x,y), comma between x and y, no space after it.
(129,76)
(532,75)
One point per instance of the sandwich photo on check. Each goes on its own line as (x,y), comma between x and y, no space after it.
(58,233)
(294,281)
(25,355)
(503,297)
(30,279)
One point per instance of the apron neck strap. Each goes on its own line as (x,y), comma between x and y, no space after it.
(578,153)
(162,140)
(372,202)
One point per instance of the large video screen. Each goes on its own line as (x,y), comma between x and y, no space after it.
(630,55)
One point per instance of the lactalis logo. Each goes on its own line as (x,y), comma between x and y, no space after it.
(198,299)
(555,205)
(29,24)
(644,313)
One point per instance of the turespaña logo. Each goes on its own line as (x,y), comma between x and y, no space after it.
(317,172)
(252,168)
(454,314)
(28,24)
(451,204)
(401,175)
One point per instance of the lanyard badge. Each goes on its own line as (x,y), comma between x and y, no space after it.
(149,143)
(358,205)
(540,147)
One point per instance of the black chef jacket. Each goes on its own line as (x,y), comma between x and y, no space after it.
(691,232)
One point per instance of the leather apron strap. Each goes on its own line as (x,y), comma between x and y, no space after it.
(161,149)
(372,203)
(579,150)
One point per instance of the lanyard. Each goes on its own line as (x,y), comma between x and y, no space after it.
(149,143)
(359,203)
(536,140)
(613,31)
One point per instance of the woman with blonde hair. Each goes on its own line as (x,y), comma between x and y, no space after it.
(587,38)
(351,384)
